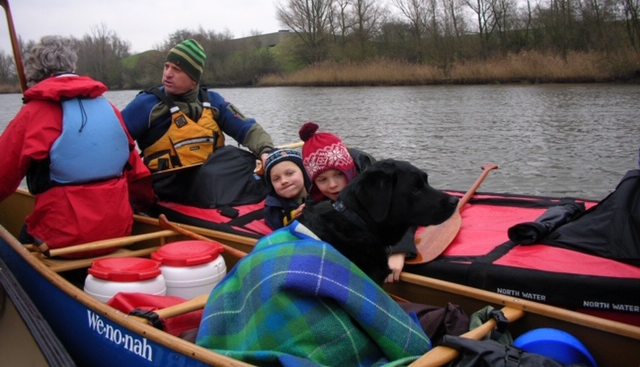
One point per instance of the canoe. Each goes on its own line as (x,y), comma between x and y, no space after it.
(97,334)
(482,255)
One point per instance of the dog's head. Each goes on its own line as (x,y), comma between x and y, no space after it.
(396,195)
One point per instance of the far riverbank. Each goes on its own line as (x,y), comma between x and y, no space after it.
(527,67)
(524,67)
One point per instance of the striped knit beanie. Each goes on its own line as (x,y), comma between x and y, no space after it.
(282,155)
(190,57)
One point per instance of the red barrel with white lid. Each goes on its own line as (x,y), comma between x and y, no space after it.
(109,276)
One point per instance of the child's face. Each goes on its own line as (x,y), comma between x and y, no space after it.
(331,182)
(288,181)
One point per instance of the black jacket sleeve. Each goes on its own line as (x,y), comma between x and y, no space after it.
(406,244)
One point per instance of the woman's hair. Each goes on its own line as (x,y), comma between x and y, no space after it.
(54,54)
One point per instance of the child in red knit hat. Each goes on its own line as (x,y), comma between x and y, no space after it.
(327,161)
(331,166)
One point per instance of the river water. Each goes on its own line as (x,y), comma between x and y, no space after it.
(559,139)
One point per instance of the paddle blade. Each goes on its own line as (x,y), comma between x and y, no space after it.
(433,240)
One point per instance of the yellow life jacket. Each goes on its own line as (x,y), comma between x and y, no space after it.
(186,142)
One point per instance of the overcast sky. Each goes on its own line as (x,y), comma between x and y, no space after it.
(143,23)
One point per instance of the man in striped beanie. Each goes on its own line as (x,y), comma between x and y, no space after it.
(183,67)
(182,123)
(190,57)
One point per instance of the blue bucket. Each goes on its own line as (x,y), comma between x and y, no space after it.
(555,344)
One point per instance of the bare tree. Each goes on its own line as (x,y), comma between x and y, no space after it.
(454,28)
(416,13)
(310,21)
(632,17)
(561,25)
(485,17)
(341,20)
(525,24)
(596,31)
(454,20)
(367,17)
(504,14)
(7,68)
(100,55)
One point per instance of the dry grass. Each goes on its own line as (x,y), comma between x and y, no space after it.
(4,88)
(527,67)
(378,72)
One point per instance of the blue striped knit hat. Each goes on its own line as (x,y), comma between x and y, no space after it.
(281,155)
(190,57)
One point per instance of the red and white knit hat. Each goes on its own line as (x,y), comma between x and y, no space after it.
(322,152)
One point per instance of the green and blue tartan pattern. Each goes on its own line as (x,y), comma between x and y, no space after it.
(296,301)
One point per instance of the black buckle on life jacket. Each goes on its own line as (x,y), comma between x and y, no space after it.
(150,316)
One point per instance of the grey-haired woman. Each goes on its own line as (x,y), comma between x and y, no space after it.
(73,147)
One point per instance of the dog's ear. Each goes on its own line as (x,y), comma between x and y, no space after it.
(376,190)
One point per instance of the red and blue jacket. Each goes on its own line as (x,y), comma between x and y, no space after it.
(69,213)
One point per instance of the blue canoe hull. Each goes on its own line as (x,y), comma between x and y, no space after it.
(90,338)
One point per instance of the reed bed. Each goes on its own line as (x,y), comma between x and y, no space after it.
(9,88)
(378,72)
(524,67)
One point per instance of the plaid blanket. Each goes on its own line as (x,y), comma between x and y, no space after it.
(296,301)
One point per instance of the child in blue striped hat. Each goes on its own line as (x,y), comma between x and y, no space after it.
(288,184)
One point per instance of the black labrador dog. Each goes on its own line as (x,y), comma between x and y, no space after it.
(375,210)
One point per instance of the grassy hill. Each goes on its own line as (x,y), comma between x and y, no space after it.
(131,61)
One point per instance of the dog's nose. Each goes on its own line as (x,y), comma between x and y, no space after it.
(453,200)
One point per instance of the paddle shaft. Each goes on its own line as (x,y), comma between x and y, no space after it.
(486,168)
(191,305)
(15,46)
(165,224)
(187,306)
(103,244)
(442,355)
(297,144)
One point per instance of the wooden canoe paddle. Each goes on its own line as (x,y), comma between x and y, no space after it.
(165,224)
(102,244)
(433,240)
(442,355)
(196,303)
(15,46)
